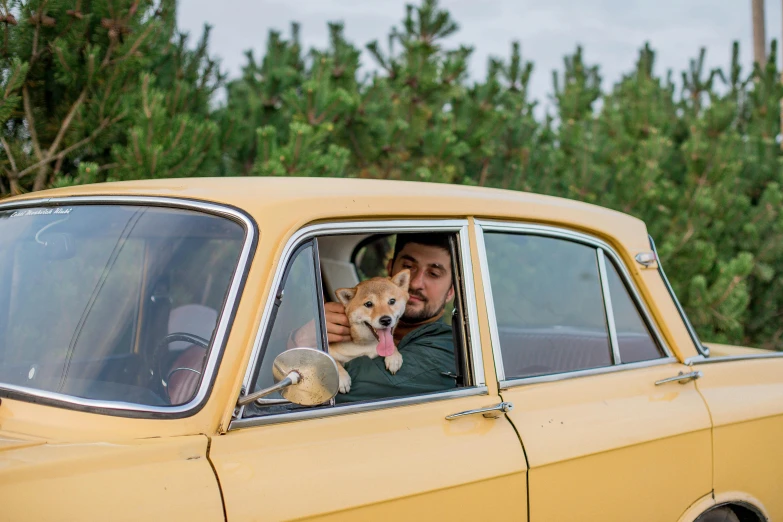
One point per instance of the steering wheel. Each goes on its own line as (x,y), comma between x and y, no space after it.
(161,351)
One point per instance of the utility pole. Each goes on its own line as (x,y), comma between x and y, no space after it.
(759,40)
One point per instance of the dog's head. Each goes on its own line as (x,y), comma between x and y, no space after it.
(374,307)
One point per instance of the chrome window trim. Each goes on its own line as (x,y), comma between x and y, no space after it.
(469,293)
(347,409)
(703,350)
(512,383)
(746,357)
(608,309)
(487,225)
(224,321)
(459,226)
(494,335)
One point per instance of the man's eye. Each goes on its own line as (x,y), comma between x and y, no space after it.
(392,301)
(368,304)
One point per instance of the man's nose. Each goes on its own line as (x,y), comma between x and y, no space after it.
(385,320)
(417,280)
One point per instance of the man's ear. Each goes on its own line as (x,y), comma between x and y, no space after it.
(344,295)
(389,266)
(402,279)
(450,293)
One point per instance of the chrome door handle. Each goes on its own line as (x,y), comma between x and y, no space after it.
(682,378)
(490,412)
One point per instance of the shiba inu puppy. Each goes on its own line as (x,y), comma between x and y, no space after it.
(373,308)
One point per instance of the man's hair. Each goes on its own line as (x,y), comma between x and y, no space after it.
(433,239)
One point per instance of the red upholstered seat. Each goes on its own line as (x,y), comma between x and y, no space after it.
(185,374)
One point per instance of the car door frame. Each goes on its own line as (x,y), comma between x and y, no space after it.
(699,426)
(459,226)
(550,231)
(470,457)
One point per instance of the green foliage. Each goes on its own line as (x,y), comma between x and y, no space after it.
(113,91)
(110,82)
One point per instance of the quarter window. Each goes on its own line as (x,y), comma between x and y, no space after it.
(633,336)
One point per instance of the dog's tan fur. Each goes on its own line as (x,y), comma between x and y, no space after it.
(379,291)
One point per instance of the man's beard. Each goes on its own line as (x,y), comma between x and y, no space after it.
(427,312)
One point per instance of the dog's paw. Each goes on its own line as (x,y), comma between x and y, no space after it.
(393,362)
(345,382)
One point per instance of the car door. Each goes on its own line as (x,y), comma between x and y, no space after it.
(381,460)
(582,362)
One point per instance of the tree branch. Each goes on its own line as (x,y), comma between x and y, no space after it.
(67,122)
(135,46)
(28,113)
(34,55)
(8,152)
(13,177)
(65,152)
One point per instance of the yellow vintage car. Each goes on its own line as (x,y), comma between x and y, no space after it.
(153,366)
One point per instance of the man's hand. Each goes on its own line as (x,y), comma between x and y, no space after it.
(337,327)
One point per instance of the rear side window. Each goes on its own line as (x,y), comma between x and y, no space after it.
(551,305)
(548,305)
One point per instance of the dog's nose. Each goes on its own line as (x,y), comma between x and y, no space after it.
(385,320)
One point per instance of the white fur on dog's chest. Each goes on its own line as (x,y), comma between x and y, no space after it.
(344,352)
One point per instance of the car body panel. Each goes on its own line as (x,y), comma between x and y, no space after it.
(153,479)
(376,465)
(612,441)
(745,398)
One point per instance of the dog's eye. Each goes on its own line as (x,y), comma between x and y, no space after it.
(392,301)
(368,304)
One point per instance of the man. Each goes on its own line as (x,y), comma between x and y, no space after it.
(421,336)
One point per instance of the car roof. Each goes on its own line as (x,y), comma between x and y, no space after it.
(292,202)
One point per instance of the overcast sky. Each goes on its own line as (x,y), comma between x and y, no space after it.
(610,31)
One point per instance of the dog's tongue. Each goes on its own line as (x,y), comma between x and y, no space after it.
(385,342)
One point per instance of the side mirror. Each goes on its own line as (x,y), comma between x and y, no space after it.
(303,376)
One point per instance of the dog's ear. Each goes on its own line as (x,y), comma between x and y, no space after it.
(402,279)
(344,295)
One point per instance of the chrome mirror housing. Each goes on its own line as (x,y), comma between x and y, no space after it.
(304,376)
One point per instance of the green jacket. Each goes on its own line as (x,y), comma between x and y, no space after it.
(427,353)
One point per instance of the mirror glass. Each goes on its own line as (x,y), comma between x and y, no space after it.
(319,379)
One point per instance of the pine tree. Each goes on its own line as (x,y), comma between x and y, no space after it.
(170,130)
(75,75)
(111,90)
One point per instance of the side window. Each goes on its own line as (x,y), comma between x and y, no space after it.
(548,304)
(296,305)
(404,343)
(633,336)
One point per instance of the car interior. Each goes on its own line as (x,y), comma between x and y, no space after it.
(344,261)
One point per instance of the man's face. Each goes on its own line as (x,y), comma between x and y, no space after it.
(430,287)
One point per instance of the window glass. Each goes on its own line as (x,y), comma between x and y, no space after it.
(90,295)
(372,255)
(633,337)
(548,304)
(298,308)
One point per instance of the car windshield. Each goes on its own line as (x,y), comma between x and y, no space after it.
(112,302)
